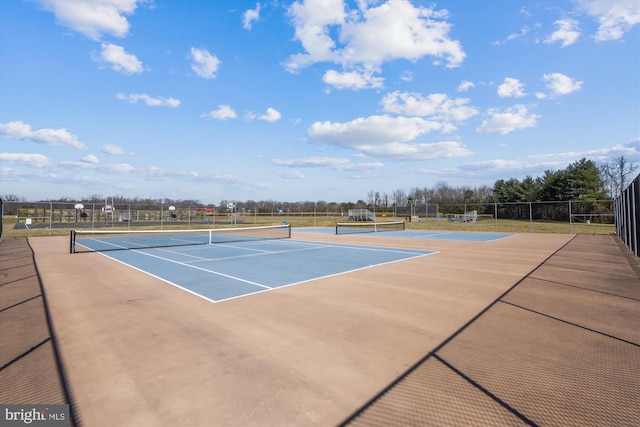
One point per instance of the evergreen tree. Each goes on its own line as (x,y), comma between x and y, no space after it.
(584,181)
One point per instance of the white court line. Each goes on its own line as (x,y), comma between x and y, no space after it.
(362,248)
(196,268)
(310,246)
(255,252)
(105,242)
(136,244)
(391,251)
(159,278)
(178,253)
(428,235)
(255,255)
(501,238)
(266,288)
(328,276)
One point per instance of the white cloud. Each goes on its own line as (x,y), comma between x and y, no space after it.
(334,163)
(313,162)
(417,151)
(97,166)
(352,80)
(89,180)
(223,112)
(87,162)
(150,101)
(438,106)
(374,130)
(20,130)
(358,167)
(312,22)
(511,88)
(250,16)
(567,32)
(272,115)
(465,85)
(119,60)
(523,32)
(154,172)
(496,165)
(363,39)
(407,76)
(399,30)
(508,120)
(115,150)
(559,84)
(147,172)
(93,163)
(29,176)
(537,164)
(291,175)
(614,16)
(499,168)
(204,64)
(90,158)
(33,160)
(93,18)
(387,137)
(630,150)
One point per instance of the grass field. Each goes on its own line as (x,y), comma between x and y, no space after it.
(501,225)
(515,226)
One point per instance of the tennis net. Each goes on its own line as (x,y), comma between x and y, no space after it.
(368,227)
(110,240)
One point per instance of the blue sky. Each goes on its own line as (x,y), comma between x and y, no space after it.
(309,100)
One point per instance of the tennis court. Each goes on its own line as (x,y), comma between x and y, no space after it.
(218,271)
(461,236)
(498,325)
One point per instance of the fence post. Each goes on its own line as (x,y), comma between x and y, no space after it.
(628,219)
(570,219)
(633,218)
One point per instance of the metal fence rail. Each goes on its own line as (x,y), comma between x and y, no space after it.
(627,215)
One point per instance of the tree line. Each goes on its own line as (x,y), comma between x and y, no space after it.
(582,180)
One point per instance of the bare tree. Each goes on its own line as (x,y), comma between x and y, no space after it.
(618,174)
(11,198)
(385,200)
(371,198)
(399,197)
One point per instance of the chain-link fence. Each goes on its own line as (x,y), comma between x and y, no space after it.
(558,217)
(79,215)
(567,216)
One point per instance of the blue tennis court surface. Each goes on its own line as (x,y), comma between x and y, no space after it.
(462,236)
(219,272)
